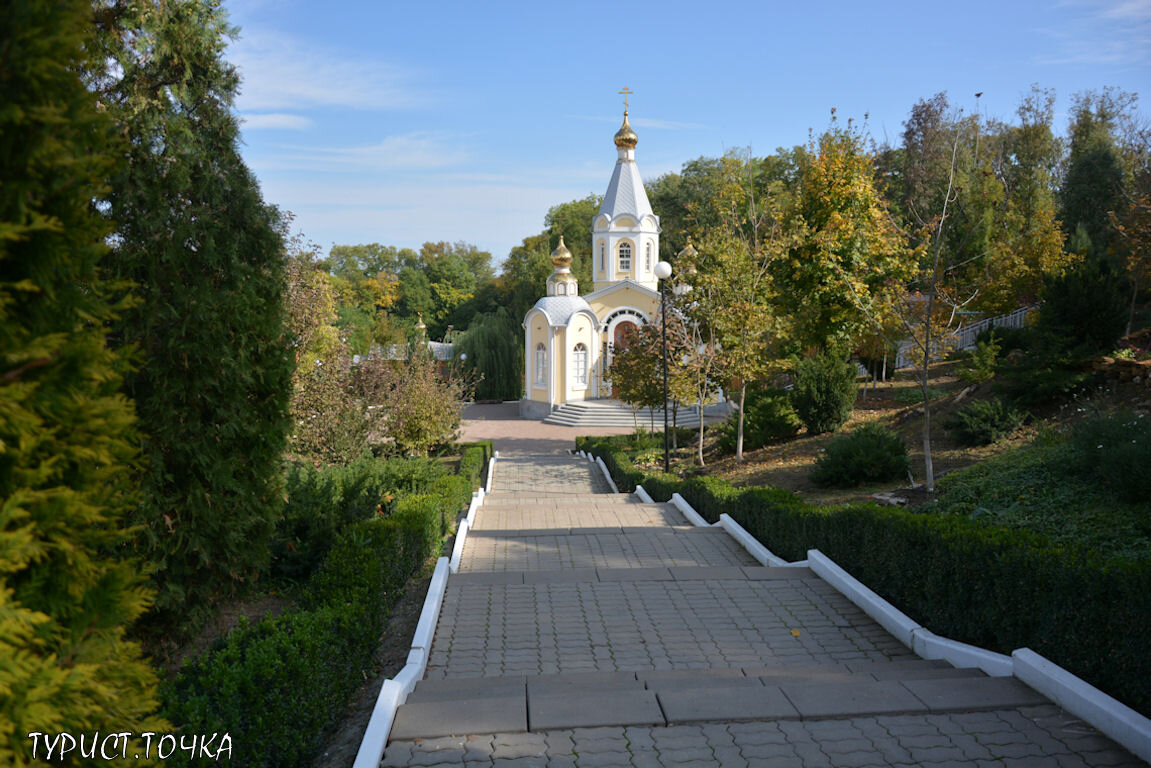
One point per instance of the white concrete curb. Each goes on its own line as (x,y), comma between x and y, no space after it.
(395,692)
(928,645)
(890,618)
(1118,721)
(375,738)
(491,471)
(607,474)
(686,509)
(458,549)
(761,553)
(643,495)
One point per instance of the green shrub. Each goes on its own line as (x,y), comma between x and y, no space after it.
(824,392)
(1042,378)
(1009,339)
(472,464)
(982,422)
(323,501)
(868,454)
(277,685)
(914,395)
(981,360)
(1115,450)
(769,417)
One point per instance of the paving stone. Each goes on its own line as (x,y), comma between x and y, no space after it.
(484,577)
(854,698)
(583,710)
(605,683)
(973,693)
(730,704)
(770,573)
(457,689)
(634,574)
(571,576)
(705,573)
(446,718)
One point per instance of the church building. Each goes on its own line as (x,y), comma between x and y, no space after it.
(568,338)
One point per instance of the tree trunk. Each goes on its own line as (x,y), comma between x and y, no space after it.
(739,429)
(700,452)
(928,469)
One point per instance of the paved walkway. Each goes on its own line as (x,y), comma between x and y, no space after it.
(588,629)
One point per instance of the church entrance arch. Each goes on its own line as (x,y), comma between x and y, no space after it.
(616,331)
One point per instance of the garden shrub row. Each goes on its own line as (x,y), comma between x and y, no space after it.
(320,502)
(275,686)
(994,588)
(474,459)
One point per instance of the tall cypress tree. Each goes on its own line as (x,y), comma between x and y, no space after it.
(207,257)
(68,443)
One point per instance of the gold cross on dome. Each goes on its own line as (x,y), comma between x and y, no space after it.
(626,92)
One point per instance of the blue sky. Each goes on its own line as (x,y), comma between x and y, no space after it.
(402,122)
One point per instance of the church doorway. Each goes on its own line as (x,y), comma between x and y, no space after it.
(624,332)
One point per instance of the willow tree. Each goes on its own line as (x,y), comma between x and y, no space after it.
(68,440)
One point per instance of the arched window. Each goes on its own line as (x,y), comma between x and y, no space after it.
(579,366)
(541,365)
(625,257)
(601,257)
(647,258)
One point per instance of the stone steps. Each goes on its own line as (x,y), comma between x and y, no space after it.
(463,706)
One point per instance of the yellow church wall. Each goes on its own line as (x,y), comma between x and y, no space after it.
(537,334)
(580,330)
(626,296)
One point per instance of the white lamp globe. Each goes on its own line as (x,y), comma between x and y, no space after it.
(663,270)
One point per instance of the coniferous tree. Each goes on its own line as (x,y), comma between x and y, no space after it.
(67,436)
(207,257)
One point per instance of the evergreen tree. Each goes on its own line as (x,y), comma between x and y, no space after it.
(67,436)
(207,257)
(1093,184)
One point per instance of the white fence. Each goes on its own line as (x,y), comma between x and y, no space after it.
(962,338)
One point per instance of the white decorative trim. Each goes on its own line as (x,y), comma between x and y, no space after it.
(1118,721)
(753,545)
(889,617)
(928,645)
(687,511)
(607,474)
(643,495)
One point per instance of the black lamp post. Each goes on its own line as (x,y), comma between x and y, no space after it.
(663,272)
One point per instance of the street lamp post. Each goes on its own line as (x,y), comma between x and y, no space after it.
(663,272)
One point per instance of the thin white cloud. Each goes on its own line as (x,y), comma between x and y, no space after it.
(275,120)
(279,72)
(407,152)
(1110,32)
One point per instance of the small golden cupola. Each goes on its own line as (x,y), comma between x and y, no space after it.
(625,137)
(562,282)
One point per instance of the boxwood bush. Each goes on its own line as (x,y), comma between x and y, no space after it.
(868,454)
(276,685)
(998,589)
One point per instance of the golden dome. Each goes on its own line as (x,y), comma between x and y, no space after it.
(625,136)
(561,256)
(562,277)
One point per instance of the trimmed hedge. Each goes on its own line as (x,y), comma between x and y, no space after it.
(321,502)
(994,588)
(277,685)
